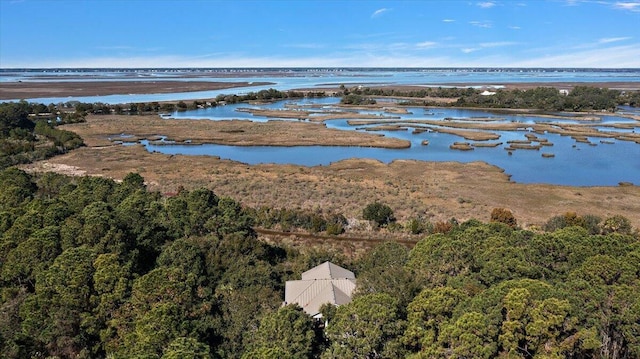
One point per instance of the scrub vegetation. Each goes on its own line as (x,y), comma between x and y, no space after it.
(28,132)
(93,268)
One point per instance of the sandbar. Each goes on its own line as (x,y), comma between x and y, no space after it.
(20,90)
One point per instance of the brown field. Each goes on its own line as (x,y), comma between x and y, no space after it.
(16,90)
(476,130)
(104,130)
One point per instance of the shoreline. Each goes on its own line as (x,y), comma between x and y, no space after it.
(438,191)
(22,90)
(100,87)
(108,130)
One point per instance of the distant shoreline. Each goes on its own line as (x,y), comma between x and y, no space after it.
(99,87)
(36,89)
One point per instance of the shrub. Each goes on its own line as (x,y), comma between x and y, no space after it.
(588,222)
(442,227)
(505,216)
(379,213)
(418,225)
(617,224)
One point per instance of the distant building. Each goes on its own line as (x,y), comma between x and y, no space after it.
(326,283)
(564,92)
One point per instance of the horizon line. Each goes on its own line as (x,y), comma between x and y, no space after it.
(319,68)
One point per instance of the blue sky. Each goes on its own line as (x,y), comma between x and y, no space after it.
(244,33)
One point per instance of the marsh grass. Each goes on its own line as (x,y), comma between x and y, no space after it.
(410,188)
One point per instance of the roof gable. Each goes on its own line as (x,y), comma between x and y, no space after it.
(312,294)
(327,270)
(326,283)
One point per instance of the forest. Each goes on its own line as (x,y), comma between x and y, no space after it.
(93,268)
(28,132)
(581,98)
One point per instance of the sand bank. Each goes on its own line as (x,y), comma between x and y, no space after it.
(18,90)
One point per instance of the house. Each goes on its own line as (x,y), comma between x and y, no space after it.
(326,283)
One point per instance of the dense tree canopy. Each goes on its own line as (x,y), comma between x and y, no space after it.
(28,133)
(91,268)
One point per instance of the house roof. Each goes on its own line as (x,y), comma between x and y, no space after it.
(328,270)
(326,283)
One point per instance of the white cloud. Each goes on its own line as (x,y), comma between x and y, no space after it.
(482,24)
(448,20)
(127,49)
(497,44)
(515,27)
(610,54)
(613,39)
(486,4)
(426,44)
(572,2)
(116,47)
(633,6)
(379,12)
(630,6)
(310,46)
(609,57)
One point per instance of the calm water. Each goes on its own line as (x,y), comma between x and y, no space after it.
(303,78)
(574,163)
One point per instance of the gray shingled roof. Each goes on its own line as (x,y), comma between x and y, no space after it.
(326,283)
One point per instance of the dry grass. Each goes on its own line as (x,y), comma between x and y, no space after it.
(13,90)
(431,189)
(101,130)
(476,130)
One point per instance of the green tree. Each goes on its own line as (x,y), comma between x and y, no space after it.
(16,188)
(379,213)
(617,224)
(55,317)
(428,313)
(14,115)
(186,348)
(603,292)
(470,336)
(368,327)
(289,330)
(383,270)
(32,256)
(165,304)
